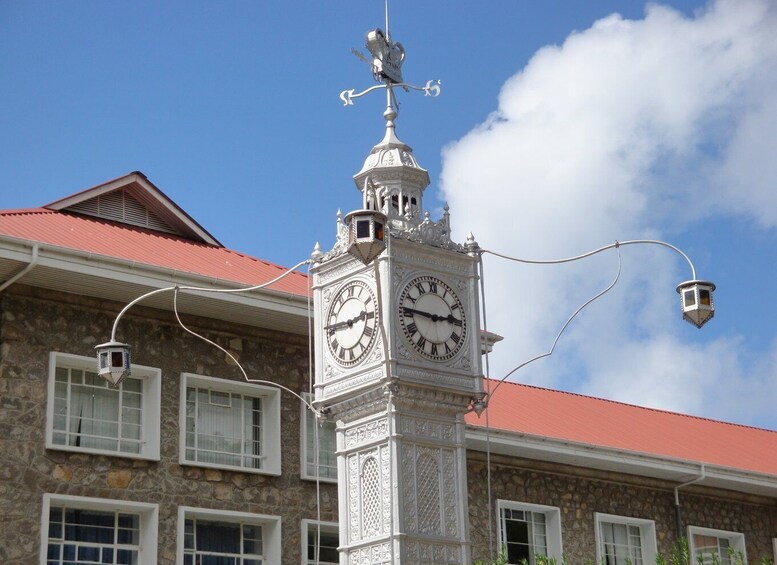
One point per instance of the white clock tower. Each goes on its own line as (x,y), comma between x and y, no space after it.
(397,356)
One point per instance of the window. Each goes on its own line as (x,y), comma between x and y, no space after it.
(625,541)
(230,424)
(327,461)
(219,537)
(84,413)
(327,543)
(709,546)
(529,530)
(91,530)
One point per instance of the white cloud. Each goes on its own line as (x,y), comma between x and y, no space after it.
(630,129)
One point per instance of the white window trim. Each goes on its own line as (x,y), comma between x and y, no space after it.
(304,535)
(304,410)
(737,539)
(552,524)
(271,421)
(152,394)
(647,535)
(271,528)
(149,520)
(774,547)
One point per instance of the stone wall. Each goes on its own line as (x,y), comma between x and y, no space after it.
(580,493)
(35,322)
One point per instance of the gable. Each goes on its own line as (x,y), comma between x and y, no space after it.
(134,200)
(121,206)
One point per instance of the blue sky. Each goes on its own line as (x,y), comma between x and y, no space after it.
(561,127)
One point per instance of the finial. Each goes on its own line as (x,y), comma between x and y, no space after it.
(471,245)
(317,253)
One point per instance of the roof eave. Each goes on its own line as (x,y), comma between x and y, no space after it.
(602,458)
(61,269)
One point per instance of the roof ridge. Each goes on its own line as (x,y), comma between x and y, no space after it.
(630,405)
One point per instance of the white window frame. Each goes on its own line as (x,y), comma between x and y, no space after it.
(271,529)
(271,421)
(149,520)
(647,535)
(736,539)
(552,524)
(304,415)
(151,414)
(306,524)
(774,547)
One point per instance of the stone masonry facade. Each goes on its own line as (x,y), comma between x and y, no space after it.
(35,322)
(580,493)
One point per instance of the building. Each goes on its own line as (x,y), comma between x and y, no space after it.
(187,460)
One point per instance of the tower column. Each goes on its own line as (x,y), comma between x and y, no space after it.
(402,471)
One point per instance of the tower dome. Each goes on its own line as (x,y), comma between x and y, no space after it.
(398,179)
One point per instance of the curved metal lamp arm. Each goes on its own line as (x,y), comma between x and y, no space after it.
(566,324)
(688,310)
(595,251)
(177,288)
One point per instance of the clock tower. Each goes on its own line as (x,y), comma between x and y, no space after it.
(397,357)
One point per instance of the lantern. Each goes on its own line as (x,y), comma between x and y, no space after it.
(113,362)
(696,301)
(366,234)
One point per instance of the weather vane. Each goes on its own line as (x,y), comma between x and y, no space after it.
(386,64)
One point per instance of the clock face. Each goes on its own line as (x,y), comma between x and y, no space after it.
(351,323)
(432,318)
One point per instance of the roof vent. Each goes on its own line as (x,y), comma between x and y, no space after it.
(121,206)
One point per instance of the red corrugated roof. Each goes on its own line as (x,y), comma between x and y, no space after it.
(593,421)
(145,246)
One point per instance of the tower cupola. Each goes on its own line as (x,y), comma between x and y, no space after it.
(400,181)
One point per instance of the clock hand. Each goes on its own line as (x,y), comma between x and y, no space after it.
(433,317)
(348,323)
(337,325)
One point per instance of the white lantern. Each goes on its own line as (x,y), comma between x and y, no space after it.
(113,362)
(366,234)
(696,300)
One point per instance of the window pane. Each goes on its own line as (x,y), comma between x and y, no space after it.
(524,534)
(621,544)
(329,540)
(324,432)
(711,550)
(208,541)
(89,414)
(223,428)
(92,536)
